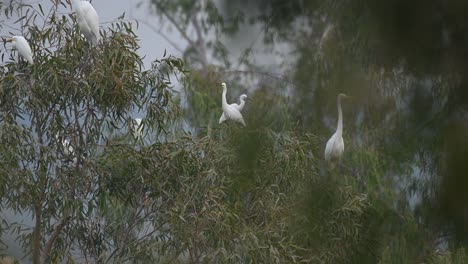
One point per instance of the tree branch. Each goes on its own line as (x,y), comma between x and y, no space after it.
(36,238)
(200,41)
(176,25)
(42,183)
(52,238)
(258,73)
(159,32)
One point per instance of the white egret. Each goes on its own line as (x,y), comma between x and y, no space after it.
(239,107)
(137,128)
(335,145)
(68,149)
(230,112)
(88,20)
(23,48)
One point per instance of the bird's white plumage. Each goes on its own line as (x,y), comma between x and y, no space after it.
(335,145)
(230,112)
(137,128)
(239,107)
(88,20)
(23,48)
(334,148)
(67,148)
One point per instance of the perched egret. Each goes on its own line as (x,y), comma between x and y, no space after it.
(239,107)
(67,148)
(87,19)
(230,111)
(23,48)
(137,128)
(335,145)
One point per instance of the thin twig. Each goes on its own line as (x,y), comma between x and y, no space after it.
(201,43)
(52,238)
(159,32)
(175,24)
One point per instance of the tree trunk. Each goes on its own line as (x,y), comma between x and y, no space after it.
(36,239)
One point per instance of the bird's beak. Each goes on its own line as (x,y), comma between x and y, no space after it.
(9,40)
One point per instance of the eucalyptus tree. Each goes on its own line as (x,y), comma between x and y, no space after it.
(73,93)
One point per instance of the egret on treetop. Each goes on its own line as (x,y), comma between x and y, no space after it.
(137,128)
(22,46)
(239,107)
(335,145)
(230,112)
(87,19)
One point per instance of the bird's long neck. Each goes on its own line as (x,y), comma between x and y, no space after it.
(224,101)
(76,5)
(339,127)
(242,103)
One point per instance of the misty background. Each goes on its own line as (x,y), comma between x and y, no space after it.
(400,192)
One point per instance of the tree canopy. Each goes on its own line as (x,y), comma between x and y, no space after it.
(191,190)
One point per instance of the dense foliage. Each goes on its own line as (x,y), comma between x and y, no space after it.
(402,62)
(56,118)
(222,193)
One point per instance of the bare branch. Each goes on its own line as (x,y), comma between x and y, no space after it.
(52,238)
(200,41)
(181,30)
(159,32)
(281,78)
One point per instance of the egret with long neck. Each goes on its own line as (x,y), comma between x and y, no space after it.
(230,111)
(335,145)
(239,107)
(88,20)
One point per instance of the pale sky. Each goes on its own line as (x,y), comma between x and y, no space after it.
(152,45)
